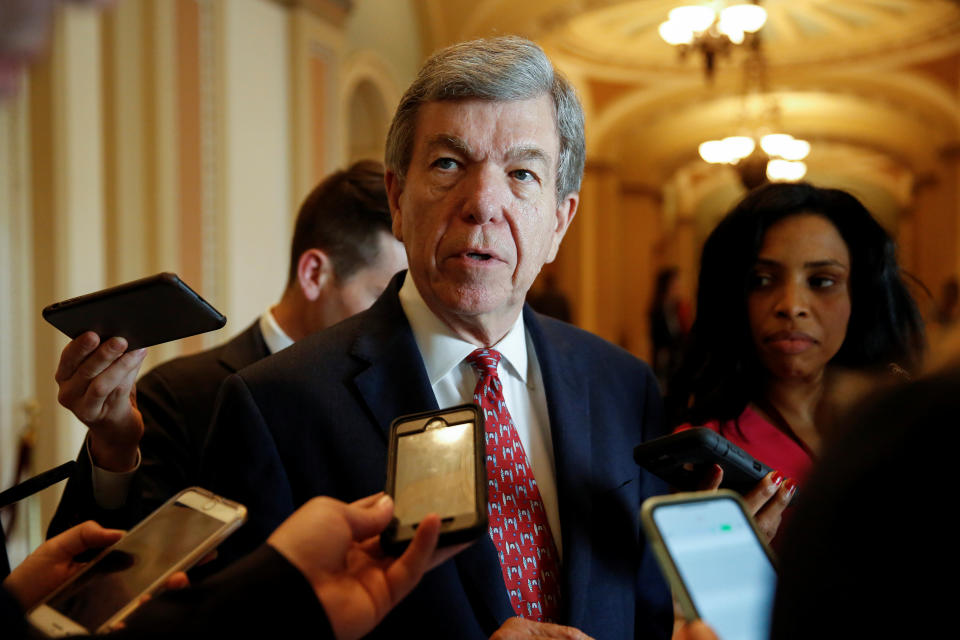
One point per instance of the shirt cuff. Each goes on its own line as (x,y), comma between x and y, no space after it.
(110,488)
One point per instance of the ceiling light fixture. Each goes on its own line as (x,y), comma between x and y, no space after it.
(712,32)
(760,152)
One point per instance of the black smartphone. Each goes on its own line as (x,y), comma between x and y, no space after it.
(719,568)
(436,464)
(144,312)
(683,458)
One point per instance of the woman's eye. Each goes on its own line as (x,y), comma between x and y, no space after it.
(760,280)
(822,282)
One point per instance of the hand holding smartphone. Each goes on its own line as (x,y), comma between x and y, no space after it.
(681,459)
(717,565)
(171,539)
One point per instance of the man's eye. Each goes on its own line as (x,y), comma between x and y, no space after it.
(523,175)
(445,163)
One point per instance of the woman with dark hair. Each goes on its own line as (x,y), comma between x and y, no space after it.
(793,279)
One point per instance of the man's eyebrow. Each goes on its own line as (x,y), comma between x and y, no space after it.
(447,141)
(527,153)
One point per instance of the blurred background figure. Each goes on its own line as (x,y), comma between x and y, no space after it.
(670,319)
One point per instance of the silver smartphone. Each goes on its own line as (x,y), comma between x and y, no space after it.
(172,538)
(718,566)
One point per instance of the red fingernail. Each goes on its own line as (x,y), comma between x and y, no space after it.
(777,478)
(792,487)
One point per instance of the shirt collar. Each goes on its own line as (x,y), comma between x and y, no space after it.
(442,349)
(275,337)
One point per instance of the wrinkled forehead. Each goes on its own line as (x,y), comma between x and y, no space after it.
(516,127)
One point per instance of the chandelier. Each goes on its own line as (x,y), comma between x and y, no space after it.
(760,151)
(711,31)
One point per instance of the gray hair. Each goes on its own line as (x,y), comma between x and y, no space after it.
(502,69)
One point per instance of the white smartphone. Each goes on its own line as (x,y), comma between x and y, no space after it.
(172,538)
(719,568)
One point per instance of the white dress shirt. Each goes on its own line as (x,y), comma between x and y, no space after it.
(453,381)
(110,488)
(275,337)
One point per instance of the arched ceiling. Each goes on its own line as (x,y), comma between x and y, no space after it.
(878,78)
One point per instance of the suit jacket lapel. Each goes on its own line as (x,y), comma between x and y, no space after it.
(395,381)
(567,406)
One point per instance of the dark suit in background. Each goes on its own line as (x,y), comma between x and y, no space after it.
(176,399)
(314,420)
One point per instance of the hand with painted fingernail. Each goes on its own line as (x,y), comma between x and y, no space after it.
(768,499)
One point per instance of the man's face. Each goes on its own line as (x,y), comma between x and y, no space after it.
(478,211)
(357,292)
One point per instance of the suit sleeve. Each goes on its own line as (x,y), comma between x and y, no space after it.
(240,462)
(166,460)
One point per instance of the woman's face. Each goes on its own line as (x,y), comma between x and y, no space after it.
(799,301)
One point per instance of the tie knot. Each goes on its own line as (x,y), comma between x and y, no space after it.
(485,361)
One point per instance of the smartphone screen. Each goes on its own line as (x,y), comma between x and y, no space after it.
(722,564)
(134,564)
(436,473)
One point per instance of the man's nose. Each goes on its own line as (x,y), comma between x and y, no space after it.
(485,193)
(793,301)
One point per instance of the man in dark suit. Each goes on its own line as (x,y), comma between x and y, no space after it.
(342,257)
(485,156)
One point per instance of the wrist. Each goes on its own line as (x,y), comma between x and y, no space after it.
(112,457)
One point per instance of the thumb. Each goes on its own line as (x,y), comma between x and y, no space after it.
(696,630)
(88,535)
(369,520)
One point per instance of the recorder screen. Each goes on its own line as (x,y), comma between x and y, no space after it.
(722,564)
(435,473)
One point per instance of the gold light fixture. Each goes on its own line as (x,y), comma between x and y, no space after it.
(760,151)
(712,30)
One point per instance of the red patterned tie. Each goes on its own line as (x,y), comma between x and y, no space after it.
(518,522)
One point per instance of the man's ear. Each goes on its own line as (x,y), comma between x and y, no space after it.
(314,273)
(566,210)
(394,190)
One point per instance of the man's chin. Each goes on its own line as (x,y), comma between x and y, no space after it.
(475,301)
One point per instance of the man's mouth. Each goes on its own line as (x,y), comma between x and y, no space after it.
(475,255)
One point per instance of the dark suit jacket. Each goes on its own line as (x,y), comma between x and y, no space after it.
(176,399)
(314,419)
(261,596)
